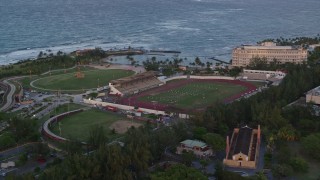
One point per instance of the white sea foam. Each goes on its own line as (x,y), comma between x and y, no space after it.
(179,25)
(29,53)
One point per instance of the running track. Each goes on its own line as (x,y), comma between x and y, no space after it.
(133,100)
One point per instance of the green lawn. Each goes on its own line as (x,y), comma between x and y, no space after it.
(195,95)
(77,126)
(27,80)
(91,80)
(59,110)
(82,68)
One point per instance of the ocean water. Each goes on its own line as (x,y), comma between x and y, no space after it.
(203,28)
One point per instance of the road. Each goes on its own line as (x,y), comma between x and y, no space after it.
(9,95)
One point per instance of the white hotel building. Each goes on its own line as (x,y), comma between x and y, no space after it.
(242,55)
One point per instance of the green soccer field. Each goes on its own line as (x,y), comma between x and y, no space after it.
(195,95)
(92,79)
(78,125)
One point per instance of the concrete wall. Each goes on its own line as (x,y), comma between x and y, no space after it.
(123,107)
(198,153)
(244,164)
(237,162)
(199,77)
(114,90)
(277,73)
(184,116)
(240,156)
(312,99)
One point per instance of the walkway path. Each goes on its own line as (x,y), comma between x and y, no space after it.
(57,70)
(70,90)
(138,69)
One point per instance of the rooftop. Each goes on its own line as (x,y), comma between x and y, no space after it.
(315,91)
(243,141)
(268,46)
(193,143)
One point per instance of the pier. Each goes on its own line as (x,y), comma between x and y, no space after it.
(218,60)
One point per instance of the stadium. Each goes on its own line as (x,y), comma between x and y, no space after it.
(177,94)
(145,92)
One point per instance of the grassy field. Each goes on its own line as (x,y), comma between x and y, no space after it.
(195,95)
(25,82)
(91,80)
(78,125)
(59,110)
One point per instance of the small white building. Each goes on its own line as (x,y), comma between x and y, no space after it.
(313,96)
(8,165)
(198,148)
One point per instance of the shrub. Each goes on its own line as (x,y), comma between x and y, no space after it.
(299,165)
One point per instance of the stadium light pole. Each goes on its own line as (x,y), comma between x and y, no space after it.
(154,105)
(59,127)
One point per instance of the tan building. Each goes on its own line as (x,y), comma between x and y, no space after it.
(241,56)
(243,151)
(313,96)
(199,148)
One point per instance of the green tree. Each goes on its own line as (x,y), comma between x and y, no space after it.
(197,61)
(311,144)
(259,176)
(137,148)
(287,133)
(117,163)
(235,71)
(199,132)
(73,147)
(97,136)
(282,171)
(179,172)
(299,165)
(151,65)
(258,63)
(216,141)
(188,157)
(6,140)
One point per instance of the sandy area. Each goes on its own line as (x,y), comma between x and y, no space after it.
(122,126)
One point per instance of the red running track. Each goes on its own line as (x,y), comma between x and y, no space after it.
(133,100)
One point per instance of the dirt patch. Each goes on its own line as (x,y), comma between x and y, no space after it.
(122,126)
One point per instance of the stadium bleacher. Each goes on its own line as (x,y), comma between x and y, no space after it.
(134,84)
(262,75)
(254,76)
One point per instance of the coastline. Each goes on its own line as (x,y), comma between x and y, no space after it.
(10,58)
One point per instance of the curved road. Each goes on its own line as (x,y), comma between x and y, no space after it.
(9,94)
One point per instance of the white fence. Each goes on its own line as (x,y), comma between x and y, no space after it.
(123,107)
(199,77)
